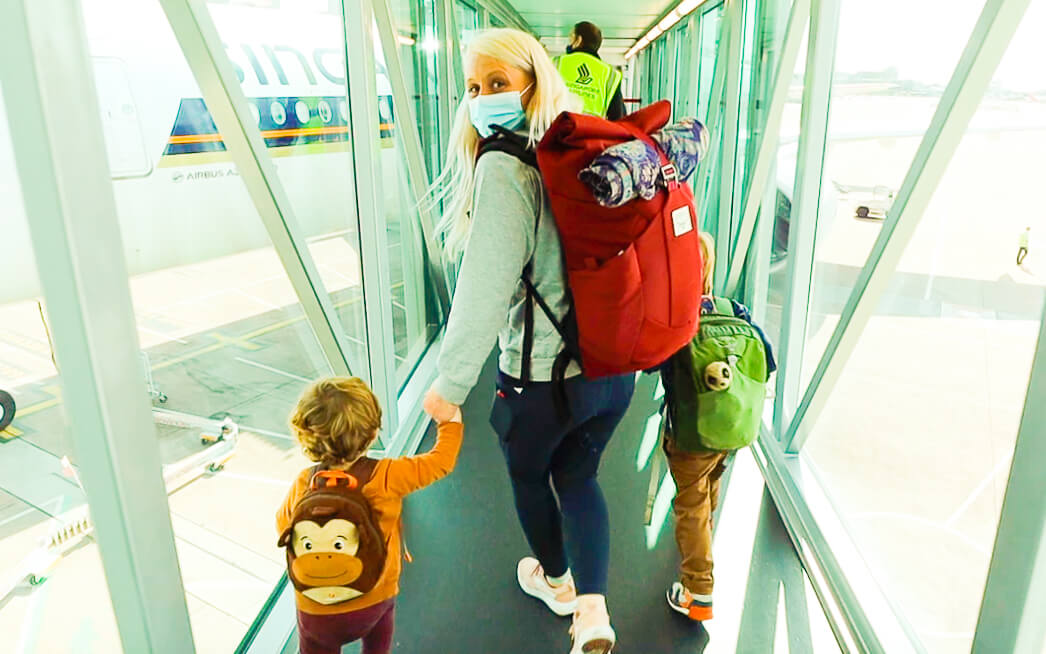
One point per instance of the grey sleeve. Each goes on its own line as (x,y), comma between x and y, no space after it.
(505,207)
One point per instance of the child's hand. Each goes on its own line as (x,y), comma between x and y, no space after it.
(440,409)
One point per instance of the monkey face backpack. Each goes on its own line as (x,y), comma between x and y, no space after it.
(335,549)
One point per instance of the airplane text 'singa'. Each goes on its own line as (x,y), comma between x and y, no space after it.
(329,62)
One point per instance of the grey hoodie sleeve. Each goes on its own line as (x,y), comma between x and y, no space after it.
(505,208)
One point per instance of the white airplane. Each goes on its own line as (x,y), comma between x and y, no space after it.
(178,194)
(177,191)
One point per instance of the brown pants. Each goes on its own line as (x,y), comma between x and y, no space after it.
(697,493)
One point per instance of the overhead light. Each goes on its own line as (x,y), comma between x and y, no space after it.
(668,21)
(403,39)
(687,6)
(637,46)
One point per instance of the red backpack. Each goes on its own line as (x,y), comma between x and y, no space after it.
(634,272)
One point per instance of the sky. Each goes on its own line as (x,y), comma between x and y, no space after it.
(924,40)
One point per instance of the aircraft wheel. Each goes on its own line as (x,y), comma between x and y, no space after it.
(862,212)
(7,409)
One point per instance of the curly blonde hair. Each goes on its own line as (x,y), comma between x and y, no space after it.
(708,259)
(336,420)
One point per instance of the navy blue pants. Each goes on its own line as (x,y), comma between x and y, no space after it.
(545,454)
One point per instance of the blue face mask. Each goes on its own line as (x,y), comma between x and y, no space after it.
(504,109)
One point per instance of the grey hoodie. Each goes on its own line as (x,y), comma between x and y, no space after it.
(489,299)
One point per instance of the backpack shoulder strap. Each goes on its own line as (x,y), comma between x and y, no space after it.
(316,469)
(507,141)
(363,469)
(719,305)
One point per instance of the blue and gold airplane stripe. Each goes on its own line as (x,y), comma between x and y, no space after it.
(284,121)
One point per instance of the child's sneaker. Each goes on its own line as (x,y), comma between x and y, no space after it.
(695,607)
(561,599)
(591,631)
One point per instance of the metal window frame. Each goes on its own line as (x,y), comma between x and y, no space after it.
(427,64)
(505,12)
(798,20)
(704,14)
(748,114)
(668,77)
(451,78)
(993,32)
(859,613)
(692,78)
(733,24)
(813,136)
(704,178)
(410,138)
(1011,615)
(202,47)
(454,56)
(364,120)
(757,268)
(444,73)
(73,224)
(757,272)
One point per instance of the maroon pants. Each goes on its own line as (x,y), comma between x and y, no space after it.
(325,634)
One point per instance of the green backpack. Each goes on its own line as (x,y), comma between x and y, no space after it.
(717,384)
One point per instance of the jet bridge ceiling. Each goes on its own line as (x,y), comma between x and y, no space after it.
(622,21)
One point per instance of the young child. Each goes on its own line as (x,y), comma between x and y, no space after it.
(697,486)
(336,422)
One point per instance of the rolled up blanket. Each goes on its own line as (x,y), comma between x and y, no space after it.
(633,169)
(622,173)
(685,144)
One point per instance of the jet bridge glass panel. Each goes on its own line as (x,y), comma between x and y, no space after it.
(227,348)
(881,105)
(784,188)
(415,315)
(53,592)
(916,440)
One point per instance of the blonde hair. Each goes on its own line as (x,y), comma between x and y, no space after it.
(336,420)
(456,183)
(708,262)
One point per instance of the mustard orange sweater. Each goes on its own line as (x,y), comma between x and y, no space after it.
(392,480)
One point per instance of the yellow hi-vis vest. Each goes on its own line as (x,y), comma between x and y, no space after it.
(590,79)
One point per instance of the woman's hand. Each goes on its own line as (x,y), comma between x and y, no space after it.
(440,409)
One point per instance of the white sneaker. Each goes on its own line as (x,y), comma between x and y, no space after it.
(561,600)
(591,631)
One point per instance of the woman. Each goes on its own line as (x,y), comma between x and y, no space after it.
(498,213)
